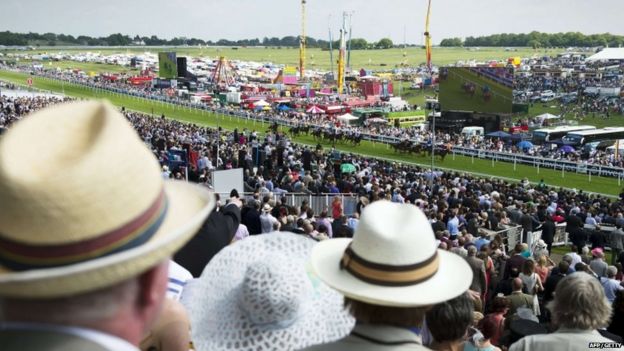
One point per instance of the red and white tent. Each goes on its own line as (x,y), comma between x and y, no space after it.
(315,110)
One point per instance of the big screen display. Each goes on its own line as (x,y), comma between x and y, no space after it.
(476,89)
(167,65)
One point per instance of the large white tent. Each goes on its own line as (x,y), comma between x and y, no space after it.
(608,54)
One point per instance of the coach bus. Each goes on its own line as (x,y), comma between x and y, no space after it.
(591,136)
(549,134)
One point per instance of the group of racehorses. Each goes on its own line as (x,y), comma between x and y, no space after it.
(470,89)
(419,149)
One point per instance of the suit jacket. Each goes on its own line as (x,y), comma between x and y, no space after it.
(515,261)
(47,340)
(374,338)
(216,233)
(548,232)
(251,218)
(519,299)
(478,274)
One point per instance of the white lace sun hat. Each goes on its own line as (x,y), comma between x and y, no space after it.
(260,294)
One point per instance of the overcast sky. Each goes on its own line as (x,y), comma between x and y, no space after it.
(372,20)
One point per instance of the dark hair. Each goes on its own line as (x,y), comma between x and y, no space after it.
(488,327)
(407,317)
(563,267)
(449,320)
(499,304)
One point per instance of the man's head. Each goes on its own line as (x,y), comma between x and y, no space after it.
(563,266)
(611,272)
(580,303)
(516,284)
(77,254)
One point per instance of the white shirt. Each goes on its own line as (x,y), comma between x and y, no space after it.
(267,221)
(178,276)
(106,340)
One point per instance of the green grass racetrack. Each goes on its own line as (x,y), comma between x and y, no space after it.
(459,163)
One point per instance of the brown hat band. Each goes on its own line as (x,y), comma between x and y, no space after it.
(388,275)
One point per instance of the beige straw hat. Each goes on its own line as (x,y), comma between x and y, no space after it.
(392,260)
(83,205)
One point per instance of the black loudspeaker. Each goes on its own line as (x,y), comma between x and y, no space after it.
(133,62)
(181,66)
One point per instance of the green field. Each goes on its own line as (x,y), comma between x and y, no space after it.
(319,59)
(463,164)
(453,97)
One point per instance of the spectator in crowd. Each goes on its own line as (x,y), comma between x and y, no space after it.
(548,232)
(478,271)
(384,303)
(616,243)
(597,264)
(517,298)
(107,297)
(496,318)
(515,262)
(251,217)
(482,340)
(257,295)
(268,223)
(216,233)
(617,319)
(448,322)
(578,310)
(554,279)
(610,284)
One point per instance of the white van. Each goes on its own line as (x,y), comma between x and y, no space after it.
(547,95)
(469,132)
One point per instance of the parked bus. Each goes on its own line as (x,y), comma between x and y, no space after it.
(549,134)
(596,135)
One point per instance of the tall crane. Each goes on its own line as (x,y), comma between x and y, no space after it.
(302,42)
(428,39)
(341,54)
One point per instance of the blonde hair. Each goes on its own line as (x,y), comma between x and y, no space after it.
(591,309)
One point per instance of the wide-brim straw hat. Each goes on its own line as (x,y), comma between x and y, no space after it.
(392,260)
(83,205)
(260,294)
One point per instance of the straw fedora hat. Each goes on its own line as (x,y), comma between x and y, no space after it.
(392,260)
(83,205)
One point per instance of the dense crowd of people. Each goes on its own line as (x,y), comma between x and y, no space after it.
(239,280)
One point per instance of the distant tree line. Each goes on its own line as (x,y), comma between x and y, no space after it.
(50,39)
(539,40)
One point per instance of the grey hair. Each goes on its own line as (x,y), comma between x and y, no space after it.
(611,271)
(591,309)
(86,307)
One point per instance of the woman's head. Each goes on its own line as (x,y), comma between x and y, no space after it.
(500,304)
(528,267)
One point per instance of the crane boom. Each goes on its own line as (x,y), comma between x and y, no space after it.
(428,38)
(302,42)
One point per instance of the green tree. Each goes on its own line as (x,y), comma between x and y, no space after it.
(451,42)
(384,43)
